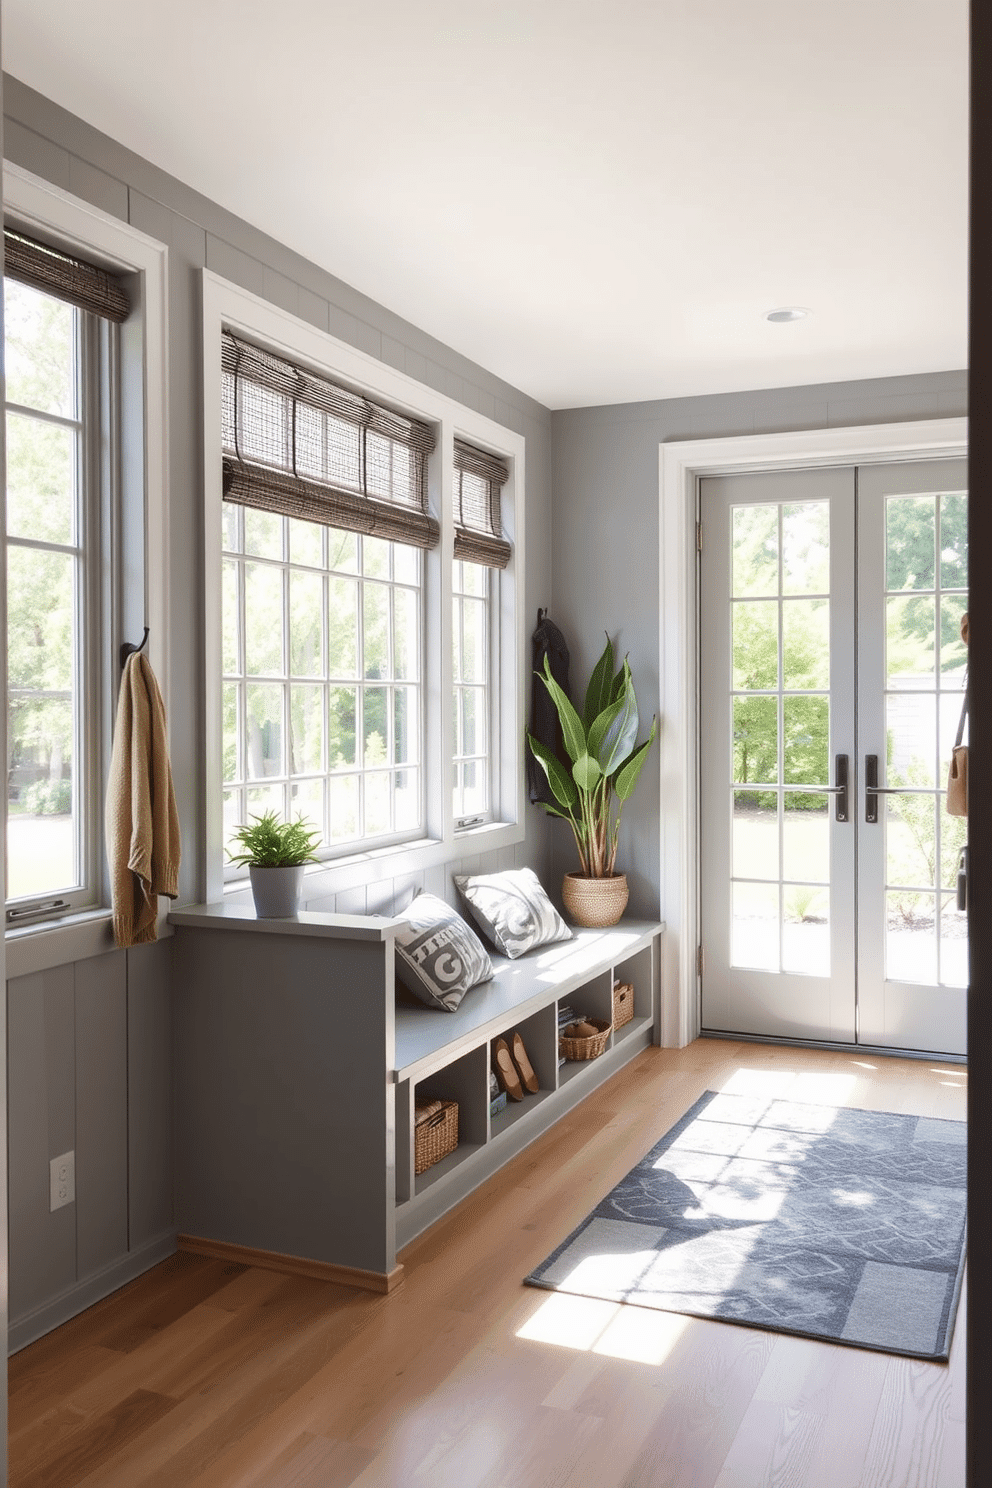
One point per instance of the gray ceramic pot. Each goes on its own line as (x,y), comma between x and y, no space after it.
(276,891)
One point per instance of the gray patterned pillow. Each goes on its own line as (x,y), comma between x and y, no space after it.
(438,955)
(512,909)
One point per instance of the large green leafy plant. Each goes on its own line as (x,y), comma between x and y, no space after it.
(605,760)
(267,842)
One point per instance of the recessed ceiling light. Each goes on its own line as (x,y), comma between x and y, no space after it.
(787,312)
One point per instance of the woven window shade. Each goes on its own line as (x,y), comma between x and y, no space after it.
(65,277)
(300,445)
(479,479)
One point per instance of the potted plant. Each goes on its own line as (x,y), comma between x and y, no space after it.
(275,852)
(605,763)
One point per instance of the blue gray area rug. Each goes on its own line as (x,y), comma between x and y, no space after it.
(830,1223)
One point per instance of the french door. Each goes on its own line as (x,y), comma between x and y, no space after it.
(832,677)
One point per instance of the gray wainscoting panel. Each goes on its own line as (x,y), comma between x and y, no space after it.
(41,1118)
(101,1111)
(149,1093)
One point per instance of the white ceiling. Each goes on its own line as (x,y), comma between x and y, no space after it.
(596,201)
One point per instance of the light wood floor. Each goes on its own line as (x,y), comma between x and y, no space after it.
(206,1375)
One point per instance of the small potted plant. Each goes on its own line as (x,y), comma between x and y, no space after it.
(606,761)
(275,852)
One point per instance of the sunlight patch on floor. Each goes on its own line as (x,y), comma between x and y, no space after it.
(821,1088)
(638,1334)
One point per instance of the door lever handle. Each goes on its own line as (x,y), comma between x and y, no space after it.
(841,786)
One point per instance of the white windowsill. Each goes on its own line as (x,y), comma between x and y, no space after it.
(77,937)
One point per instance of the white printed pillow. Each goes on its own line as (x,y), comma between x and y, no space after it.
(438,955)
(512,909)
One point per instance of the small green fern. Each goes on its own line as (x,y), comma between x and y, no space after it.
(268,842)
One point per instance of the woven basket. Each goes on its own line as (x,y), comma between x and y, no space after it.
(436,1137)
(623,1003)
(586,1048)
(594,902)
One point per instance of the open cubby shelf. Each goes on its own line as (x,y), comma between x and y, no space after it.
(449,1054)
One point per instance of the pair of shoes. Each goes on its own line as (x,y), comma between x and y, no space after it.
(514,1071)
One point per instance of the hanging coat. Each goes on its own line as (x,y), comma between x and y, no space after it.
(549,642)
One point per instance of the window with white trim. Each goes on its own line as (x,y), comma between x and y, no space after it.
(62,350)
(345,542)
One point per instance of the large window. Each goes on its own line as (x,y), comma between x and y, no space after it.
(87,473)
(365,643)
(61,370)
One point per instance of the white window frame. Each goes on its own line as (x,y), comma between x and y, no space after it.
(143,557)
(227,306)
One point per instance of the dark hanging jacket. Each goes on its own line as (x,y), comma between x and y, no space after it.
(549,642)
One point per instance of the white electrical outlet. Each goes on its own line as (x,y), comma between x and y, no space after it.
(62,1171)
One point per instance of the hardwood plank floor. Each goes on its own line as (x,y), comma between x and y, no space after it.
(212,1375)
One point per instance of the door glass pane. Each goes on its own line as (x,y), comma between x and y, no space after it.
(806,930)
(953,653)
(755,550)
(806,838)
(754,937)
(953,943)
(806,548)
(755,643)
(911,737)
(910,938)
(755,836)
(806,741)
(909,641)
(805,644)
(911,841)
(954,540)
(910,535)
(755,740)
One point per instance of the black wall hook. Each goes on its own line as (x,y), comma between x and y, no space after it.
(129,650)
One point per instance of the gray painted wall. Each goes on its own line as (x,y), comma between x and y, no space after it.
(605,523)
(3,970)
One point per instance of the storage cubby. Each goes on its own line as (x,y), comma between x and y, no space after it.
(539,1034)
(641,972)
(465,1080)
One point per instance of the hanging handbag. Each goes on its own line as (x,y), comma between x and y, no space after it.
(957,775)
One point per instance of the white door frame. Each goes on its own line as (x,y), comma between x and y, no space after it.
(681,466)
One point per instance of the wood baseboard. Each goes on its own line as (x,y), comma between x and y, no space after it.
(273,1260)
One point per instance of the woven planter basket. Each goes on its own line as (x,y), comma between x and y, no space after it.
(623,1003)
(586,1048)
(436,1137)
(594,902)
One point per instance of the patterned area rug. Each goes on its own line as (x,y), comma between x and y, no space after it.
(830,1223)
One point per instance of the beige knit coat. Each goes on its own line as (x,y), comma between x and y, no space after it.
(142,823)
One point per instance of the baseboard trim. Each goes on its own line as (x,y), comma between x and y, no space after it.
(273,1260)
(92,1289)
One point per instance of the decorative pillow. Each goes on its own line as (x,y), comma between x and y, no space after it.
(439,956)
(512,909)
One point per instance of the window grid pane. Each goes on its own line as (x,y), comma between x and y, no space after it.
(471,674)
(926,595)
(48,840)
(323,696)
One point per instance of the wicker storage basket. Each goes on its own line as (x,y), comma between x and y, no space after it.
(623,1003)
(435,1137)
(586,1048)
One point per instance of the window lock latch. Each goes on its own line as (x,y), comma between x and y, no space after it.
(36,911)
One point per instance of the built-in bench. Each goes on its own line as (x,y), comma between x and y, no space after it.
(299,1063)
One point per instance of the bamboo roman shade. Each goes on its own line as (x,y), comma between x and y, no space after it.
(64,276)
(479,479)
(300,445)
